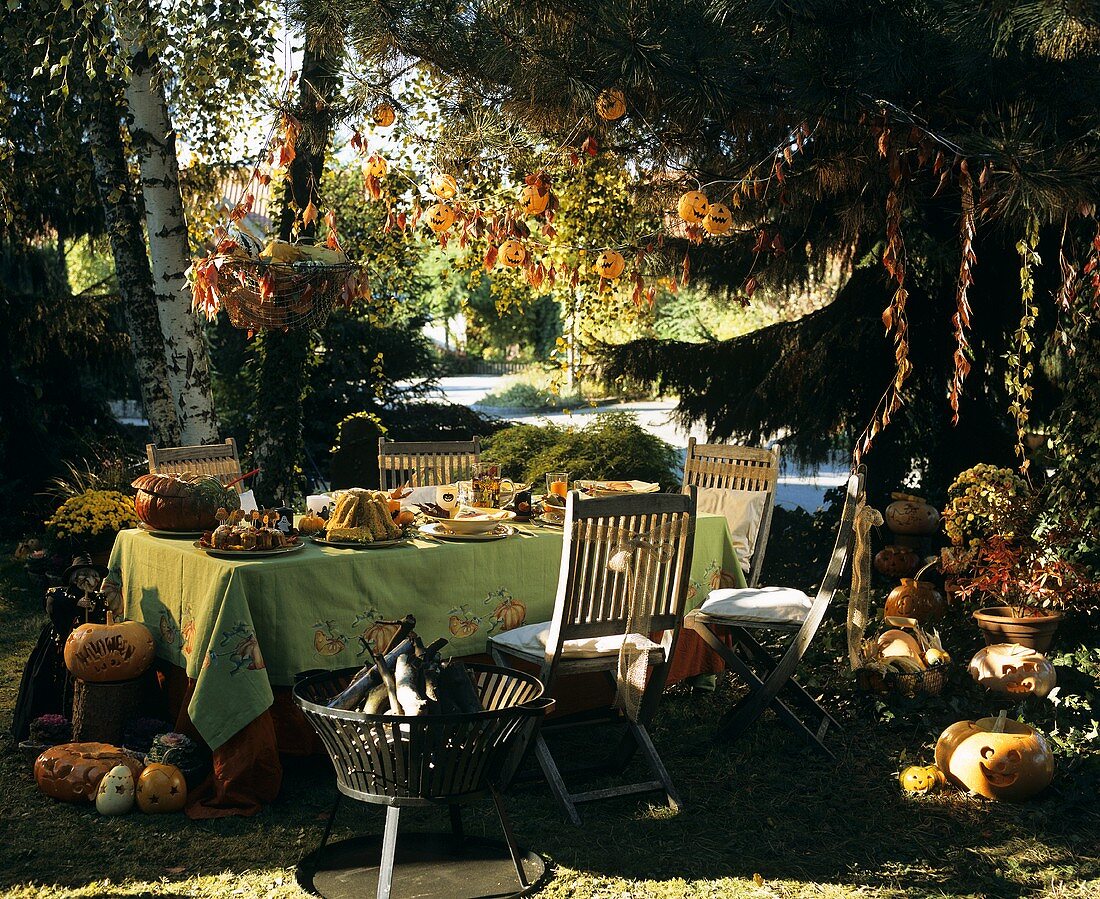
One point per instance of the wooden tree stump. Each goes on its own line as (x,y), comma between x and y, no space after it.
(101,711)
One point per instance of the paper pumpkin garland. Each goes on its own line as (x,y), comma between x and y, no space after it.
(611,104)
(512,253)
(383,115)
(444,186)
(375,166)
(692,207)
(718,219)
(610,264)
(534,199)
(439,217)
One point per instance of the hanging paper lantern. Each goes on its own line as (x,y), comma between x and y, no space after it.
(717,219)
(444,186)
(534,199)
(693,207)
(512,253)
(610,264)
(383,115)
(611,104)
(440,217)
(375,166)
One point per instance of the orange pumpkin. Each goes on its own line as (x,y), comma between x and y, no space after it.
(311,523)
(182,502)
(444,186)
(896,561)
(440,217)
(693,206)
(161,789)
(512,253)
(534,199)
(610,264)
(1013,669)
(71,772)
(911,515)
(1013,765)
(115,651)
(916,599)
(718,219)
(375,166)
(404,518)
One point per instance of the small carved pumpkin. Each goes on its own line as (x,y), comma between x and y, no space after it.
(311,523)
(610,264)
(718,219)
(911,515)
(693,206)
(611,104)
(1014,764)
(71,772)
(512,253)
(115,793)
(444,186)
(383,115)
(161,789)
(376,166)
(534,199)
(115,651)
(896,561)
(921,779)
(1013,669)
(440,217)
(916,599)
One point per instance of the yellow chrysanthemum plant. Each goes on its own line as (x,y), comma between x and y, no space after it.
(92,516)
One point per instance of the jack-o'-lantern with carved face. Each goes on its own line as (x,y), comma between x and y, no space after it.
(610,264)
(444,186)
(1013,765)
(693,206)
(921,779)
(718,219)
(375,166)
(439,217)
(383,115)
(534,198)
(512,253)
(1013,669)
(611,104)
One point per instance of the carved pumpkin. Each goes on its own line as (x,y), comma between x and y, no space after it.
(375,166)
(115,793)
(1012,765)
(534,199)
(510,613)
(161,789)
(71,772)
(611,104)
(440,217)
(182,502)
(115,651)
(512,253)
(921,779)
(693,206)
(444,186)
(383,115)
(311,523)
(1013,669)
(910,514)
(896,561)
(916,599)
(718,219)
(610,264)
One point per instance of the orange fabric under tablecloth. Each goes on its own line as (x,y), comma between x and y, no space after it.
(247,771)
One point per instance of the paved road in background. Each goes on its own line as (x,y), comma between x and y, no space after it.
(797,487)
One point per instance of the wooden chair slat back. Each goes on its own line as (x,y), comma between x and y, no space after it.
(217,459)
(731,467)
(425,462)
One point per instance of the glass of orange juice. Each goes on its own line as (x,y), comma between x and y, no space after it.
(557,483)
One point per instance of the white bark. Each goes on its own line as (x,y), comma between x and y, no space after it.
(184,341)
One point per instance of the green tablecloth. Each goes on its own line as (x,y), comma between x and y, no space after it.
(240,627)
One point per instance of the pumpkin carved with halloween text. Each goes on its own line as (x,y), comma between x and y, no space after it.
(182,502)
(1013,764)
(115,651)
(71,772)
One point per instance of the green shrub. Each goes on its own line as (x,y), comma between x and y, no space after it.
(522,395)
(611,445)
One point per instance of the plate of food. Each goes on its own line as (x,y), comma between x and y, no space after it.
(440,531)
(363,519)
(248,535)
(616,488)
(250,553)
(468,520)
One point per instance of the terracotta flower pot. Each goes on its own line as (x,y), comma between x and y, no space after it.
(999,626)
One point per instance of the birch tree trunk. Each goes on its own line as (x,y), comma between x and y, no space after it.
(184,342)
(278,446)
(118,194)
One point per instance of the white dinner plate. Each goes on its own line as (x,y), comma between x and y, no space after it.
(440,532)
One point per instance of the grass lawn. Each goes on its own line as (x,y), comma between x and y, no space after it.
(764,818)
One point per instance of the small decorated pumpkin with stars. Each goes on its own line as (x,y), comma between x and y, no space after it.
(512,253)
(611,104)
(610,264)
(161,789)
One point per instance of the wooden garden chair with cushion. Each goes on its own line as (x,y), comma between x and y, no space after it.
(737,482)
(739,612)
(425,463)
(218,459)
(624,576)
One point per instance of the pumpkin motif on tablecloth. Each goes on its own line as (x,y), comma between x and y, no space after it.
(722,580)
(104,653)
(377,635)
(167,629)
(463,623)
(326,641)
(510,612)
(1014,764)
(188,634)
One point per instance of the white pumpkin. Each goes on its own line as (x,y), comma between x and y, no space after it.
(115,794)
(1013,669)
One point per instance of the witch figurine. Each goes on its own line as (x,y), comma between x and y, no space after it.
(46,687)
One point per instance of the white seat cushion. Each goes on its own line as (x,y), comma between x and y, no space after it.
(742,510)
(531,640)
(766,605)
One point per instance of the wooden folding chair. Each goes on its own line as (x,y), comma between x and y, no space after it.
(621,557)
(772,683)
(425,463)
(218,459)
(744,468)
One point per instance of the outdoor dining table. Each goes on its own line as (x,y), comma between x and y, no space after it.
(231,634)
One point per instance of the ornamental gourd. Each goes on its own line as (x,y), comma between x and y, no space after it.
(161,789)
(71,772)
(311,523)
(610,264)
(693,206)
(916,599)
(383,115)
(512,253)
(611,104)
(115,651)
(1013,669)
(182,502)
(1013,764)
(440,217)
(718,219)
(534,199)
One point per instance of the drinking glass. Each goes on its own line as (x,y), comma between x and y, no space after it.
(557,483)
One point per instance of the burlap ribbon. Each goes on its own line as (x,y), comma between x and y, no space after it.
(859,601)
